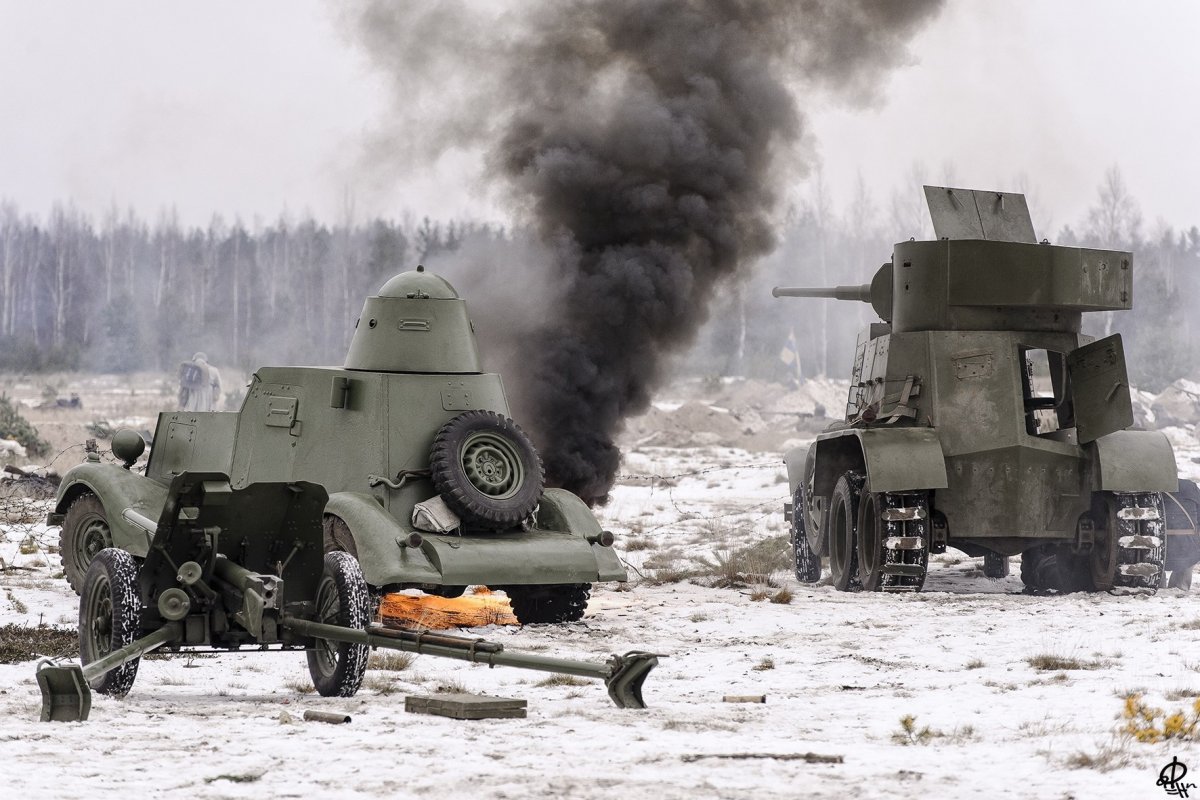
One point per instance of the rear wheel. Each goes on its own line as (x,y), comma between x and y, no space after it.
(842,532)
(893,540)
(1129,551)
(337,668)
(564,602)
(110,617)
(85,532)
(808,563)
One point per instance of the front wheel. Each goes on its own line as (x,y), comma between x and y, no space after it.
(842,532)
(808,563)
(337,668)
(85,532)
(564,602)
(110,611)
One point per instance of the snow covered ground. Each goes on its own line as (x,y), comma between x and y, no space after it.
(1015,691)
(839,671)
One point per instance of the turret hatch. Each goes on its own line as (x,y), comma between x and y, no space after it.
(979,214)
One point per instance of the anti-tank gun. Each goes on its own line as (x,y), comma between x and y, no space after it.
(980,417)
(228,568)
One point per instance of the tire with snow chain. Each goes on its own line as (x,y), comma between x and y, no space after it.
(807,563)
(85,532)
(110,611)
(564,602)
(337,668)
(486,470)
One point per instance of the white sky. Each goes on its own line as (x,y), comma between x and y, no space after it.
(252,108)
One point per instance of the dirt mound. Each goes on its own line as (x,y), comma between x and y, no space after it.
(749,414)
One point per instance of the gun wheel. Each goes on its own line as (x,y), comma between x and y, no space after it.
(553,603)
(337,668)
(842,532)
(110,617)
(486,469)
(808,563)
(85,532)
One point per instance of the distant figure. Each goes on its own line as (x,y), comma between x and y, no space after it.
(199,384)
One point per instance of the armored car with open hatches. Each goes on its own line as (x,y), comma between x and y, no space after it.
(980,418)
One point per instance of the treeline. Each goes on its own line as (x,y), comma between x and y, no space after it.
(126,294)
(123,293)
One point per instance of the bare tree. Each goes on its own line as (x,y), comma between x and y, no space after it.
(1115,220)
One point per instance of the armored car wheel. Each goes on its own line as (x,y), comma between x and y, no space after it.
(842,532)
(337,668)
(995,565)
(1181,579)
(808,563)
(564,602)
(85,532)
(1054,568)
(1129,551)
(486,469)
(337,536)
(110,617)
(893,540)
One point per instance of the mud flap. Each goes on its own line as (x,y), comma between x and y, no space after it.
(66,696)
(629,673)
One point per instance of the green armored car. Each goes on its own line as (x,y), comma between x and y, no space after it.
(430,484)
(980,418)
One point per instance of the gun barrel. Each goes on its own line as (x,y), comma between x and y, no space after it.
(860,293)
(623,675)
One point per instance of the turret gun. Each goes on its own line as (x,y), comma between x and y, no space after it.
(861,292)
(878,292)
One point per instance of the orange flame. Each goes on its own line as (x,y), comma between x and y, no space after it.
(430,612)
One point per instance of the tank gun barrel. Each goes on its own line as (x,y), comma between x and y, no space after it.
(861,293)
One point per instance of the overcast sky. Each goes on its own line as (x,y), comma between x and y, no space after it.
(252,108)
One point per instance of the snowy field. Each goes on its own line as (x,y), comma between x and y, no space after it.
(1016,691)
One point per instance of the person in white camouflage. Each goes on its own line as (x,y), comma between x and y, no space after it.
(199,384)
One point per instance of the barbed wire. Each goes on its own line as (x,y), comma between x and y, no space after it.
(695,472)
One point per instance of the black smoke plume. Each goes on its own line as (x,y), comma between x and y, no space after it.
(647,141)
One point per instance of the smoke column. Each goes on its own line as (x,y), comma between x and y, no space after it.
(646,141)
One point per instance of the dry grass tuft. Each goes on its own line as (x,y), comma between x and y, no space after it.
(561,680)
(20,643)
(299,686)
(1047,662)
(390,661)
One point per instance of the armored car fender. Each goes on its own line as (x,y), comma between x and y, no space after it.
(567,546)
(118,490)
(894,459)
(1133,461)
